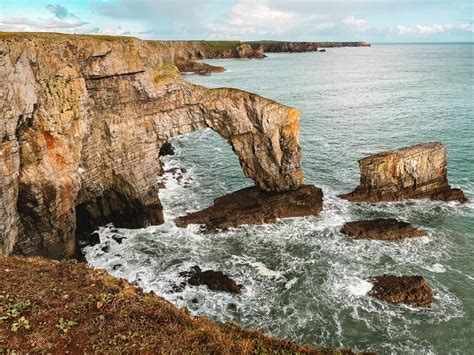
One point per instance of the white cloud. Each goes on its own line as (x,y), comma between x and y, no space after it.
(356,24)
(433,29)
(251,17)
(17,24)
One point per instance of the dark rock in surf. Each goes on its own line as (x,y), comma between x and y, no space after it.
(214,280)
(166,149)
(410,290)
(254,206)
(381,229)
(118,238)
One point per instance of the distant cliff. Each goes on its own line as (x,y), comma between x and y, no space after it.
(298,47)
(187,52)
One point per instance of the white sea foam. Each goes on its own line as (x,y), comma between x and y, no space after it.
(359,287)
(264,271)
(291,283)
(438,268)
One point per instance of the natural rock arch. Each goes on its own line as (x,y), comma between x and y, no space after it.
(83,124)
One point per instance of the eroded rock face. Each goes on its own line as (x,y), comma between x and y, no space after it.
(82,122)
(253,206)
(419,171)
(382,229)
(411,290)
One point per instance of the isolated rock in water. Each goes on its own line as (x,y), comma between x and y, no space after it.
(253,206)
(166,149)
(419,171)
(215,280)
(411,290)
(382,229)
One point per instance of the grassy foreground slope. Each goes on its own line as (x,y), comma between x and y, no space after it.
(54,307)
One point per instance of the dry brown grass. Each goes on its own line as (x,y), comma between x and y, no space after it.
(102,314)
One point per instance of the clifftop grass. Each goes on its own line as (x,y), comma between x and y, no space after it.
(54,307)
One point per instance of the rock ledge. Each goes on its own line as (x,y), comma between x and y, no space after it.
(254,206)
(381,229)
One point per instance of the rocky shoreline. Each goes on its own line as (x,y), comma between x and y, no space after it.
(191,51)
(85,119)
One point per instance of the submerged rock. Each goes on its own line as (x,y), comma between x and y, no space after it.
(419,171)
(214,280)
(253,206)
(382,229)
(410,290)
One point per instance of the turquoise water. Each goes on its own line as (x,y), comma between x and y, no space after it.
(305,280)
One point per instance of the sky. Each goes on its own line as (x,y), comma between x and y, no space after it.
(296,20)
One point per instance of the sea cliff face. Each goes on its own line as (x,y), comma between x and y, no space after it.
(82,121)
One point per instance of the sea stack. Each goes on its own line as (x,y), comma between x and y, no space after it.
(418,171)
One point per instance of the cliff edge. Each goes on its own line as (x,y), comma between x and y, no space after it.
(60,307)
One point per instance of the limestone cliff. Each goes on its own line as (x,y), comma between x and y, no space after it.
(419,171)
(82,121)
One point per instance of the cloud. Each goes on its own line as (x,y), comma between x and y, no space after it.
(21,24)
(260,18)
(433,29)
(355,23)
(60,11)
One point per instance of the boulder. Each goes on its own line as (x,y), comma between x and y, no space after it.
(419,171)
(410,290)
(382,229)
(214,280)
(166,149)
(254,206)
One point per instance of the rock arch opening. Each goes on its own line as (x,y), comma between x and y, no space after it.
(100,112)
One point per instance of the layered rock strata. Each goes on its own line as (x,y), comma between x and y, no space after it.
(419,171)
(410,290)
(381,229)
(82,122)
(253,206)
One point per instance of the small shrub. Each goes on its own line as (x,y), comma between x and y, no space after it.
(65,325)
(20,323)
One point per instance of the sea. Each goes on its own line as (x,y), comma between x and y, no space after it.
(304,280)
